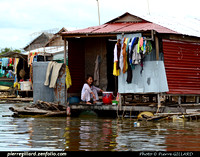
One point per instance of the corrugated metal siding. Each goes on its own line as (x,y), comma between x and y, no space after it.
(41,92)
(44,93)
(76,63)
(59,90)
(182,64)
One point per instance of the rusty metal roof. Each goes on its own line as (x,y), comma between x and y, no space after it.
(130,24)
(114,28)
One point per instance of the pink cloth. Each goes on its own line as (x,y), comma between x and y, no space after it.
(141,42)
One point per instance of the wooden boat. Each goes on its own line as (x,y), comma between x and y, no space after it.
(41,108)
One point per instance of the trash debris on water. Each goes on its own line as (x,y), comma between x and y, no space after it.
(136,124)
(177,118)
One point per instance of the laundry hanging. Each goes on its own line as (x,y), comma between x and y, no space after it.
(125,65)
(96,70)
(132,53)
(31,56)
(55,68)
(117,50)
(68,79)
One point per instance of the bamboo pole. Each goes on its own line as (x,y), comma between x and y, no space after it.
(98,11)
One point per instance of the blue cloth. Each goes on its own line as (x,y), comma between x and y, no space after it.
(5,62)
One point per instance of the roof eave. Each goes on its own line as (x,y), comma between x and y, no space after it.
(88,35)
(107,34)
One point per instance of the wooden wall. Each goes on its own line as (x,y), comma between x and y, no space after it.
(94,47)
(82,54)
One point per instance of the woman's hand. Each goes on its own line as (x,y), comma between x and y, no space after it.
(93,95)
(101,90)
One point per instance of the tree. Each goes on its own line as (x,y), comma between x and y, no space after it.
(5,50)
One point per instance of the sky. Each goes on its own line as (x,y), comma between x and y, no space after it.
(23,20)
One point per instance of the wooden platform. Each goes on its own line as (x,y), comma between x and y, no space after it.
(17,99)
(112,107)
(124,109)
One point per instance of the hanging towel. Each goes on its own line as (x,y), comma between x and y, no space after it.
(125,64)
(115,53)
(129,70)
(49,68)
(144,46)
(148,47)
(115,70)
(96,71)
(141,41)
(15,65)
(54,74)
(5,62)
(133,43)
(118,52)
(68,78)
(121,63)
(136,58)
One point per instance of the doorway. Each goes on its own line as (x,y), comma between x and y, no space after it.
(112,80)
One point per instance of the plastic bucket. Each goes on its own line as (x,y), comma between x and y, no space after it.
(107,97)
(25,85)
(73,100)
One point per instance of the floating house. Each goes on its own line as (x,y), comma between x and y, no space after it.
(47,47)
(171,68)
(7,79)
(55,46)
(39,41)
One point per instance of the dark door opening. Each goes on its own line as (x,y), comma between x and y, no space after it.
(112,80)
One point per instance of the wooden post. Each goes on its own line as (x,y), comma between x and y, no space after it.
(150,98)
(120,101)
(65,54)
(179,100)
(170,98)
(159,105)
(197,99)
(158,96)
(184,99)
(44,55)
(157,47)
(65,51)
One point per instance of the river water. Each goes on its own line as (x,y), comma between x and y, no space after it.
(95,134)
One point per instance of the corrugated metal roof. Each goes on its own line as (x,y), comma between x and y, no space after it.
(145,27)
(121,27)
(52,50)
(182,66)
(114,27)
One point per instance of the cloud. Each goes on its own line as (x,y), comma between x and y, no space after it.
(19,19)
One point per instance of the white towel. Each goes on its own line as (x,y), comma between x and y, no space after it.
(49,68)
(54,75)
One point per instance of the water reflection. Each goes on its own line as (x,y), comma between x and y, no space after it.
(88,134)
(183,137)
(95,134)
(22,134)
(116,135)
(112,135)
(35,134)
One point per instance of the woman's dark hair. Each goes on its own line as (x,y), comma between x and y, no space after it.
(88,76)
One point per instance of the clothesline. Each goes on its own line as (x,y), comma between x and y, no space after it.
(128,53)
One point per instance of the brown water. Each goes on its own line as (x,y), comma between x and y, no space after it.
(95,134)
